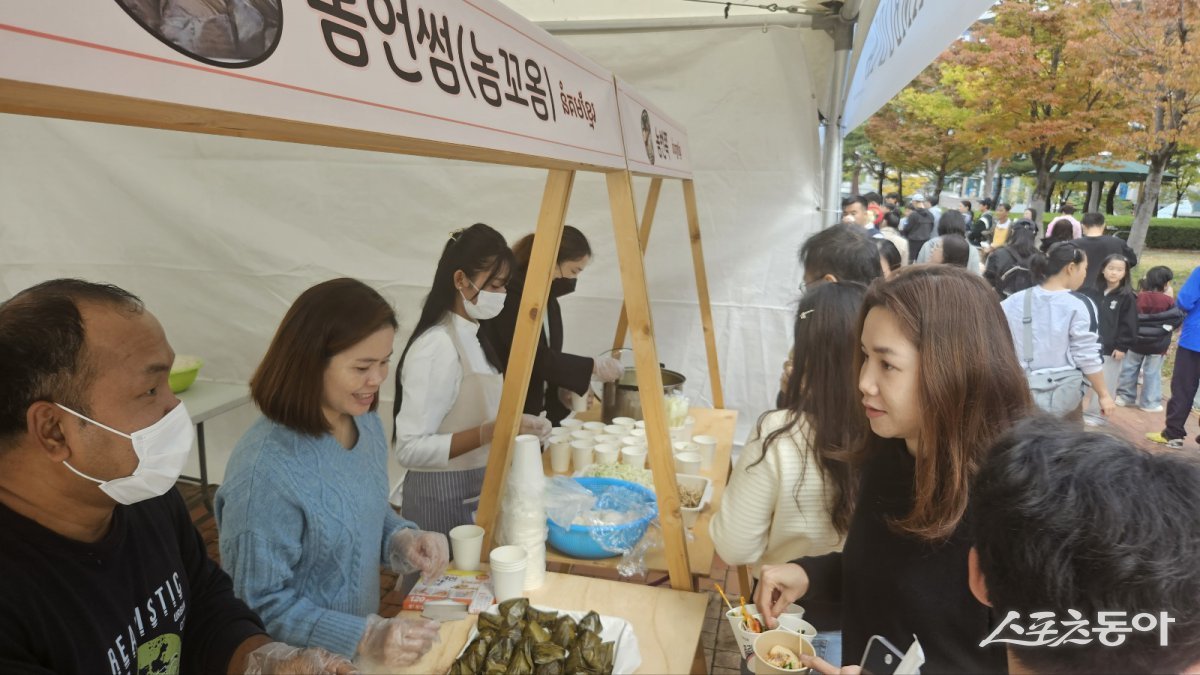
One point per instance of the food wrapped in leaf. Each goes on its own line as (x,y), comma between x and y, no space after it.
(457,668)
(545,618)
(492,621)
(563,634)
(591,648)
(512,612)
(536,633)
(521,662)
(574,662)
(552,668)
(548,652)
(591,621)
(488,635)
(499,656)
(474,655)
(610,655)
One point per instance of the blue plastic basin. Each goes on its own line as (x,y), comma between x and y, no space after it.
(578,541)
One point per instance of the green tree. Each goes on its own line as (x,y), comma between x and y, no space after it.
(1151,52)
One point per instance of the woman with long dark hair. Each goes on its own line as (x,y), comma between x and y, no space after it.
(792,491)
(1008,268)
(937,390)
(448,384)
(556,374)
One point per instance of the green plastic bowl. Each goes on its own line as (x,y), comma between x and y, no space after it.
(184,372)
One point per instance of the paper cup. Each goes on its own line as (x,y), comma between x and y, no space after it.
(640,424)
(615,430)
(595,427)
(707,447)
(571,424)
(678,434)
(684,446)
(508,571)
(583,435)
(744,637)
(798,644)
(578,403)
(606,454)
(560,455)
(466,542)
(634,455)
(638,441)
(639,432)
(607,439)
(581,454)
(627,422)
(687,462)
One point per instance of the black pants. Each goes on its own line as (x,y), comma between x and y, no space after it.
(1185,379)
(914,248)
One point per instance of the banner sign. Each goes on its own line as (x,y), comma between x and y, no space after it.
(654,144)
(905,36)
(460,72)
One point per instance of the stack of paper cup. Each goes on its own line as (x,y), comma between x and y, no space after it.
(508,571)
(524,510)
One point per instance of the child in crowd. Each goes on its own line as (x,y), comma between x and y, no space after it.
(1185,378)
(792,491)
(1116,308)
(1158,318)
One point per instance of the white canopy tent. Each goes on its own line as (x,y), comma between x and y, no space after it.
(219,234)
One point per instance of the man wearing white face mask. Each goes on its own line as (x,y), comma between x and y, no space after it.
(448,384)
(101,569)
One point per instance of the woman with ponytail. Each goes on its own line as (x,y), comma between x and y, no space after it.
(1056,333)
(448,384)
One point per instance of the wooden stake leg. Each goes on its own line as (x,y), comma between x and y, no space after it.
(643,241)
(525,341)
(710,337)
(649,377)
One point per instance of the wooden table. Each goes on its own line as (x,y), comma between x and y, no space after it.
(667,622)
(717,423)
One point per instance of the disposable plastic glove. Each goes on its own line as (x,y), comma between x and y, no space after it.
(277,657)
(607,369)
(536,426)
(412,550)
(485,432)
(398,642)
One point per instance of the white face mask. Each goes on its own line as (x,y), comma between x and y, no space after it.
(486,306)
(162,449)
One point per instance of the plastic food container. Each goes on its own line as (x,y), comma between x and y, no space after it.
(578,540)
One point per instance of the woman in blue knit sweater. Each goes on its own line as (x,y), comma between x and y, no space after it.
(304,515)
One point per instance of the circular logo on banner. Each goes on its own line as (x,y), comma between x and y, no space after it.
(224,33)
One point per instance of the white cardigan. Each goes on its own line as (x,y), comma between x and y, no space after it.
(764,516)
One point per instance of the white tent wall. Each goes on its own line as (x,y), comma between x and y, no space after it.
(219,235)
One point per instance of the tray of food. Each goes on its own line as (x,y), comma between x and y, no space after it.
(516,637)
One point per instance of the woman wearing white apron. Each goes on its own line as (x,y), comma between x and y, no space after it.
(448,385)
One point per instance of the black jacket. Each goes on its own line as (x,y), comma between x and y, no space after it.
(551,367)
(1099,248)
(919,225)
(1154,331)
(1118,318)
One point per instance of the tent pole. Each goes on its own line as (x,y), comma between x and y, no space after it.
(525,339)
(643,241)
(843,43)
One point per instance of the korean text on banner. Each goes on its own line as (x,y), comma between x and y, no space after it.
(655,145)
(456,72)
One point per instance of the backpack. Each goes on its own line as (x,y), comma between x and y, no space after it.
(1016,278)
(1057,391)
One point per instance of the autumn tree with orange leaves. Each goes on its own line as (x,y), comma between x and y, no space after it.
(1030,82)
(1151,52)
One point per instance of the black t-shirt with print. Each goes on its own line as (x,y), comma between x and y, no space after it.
(144,599)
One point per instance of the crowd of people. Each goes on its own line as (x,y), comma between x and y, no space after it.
(907,483)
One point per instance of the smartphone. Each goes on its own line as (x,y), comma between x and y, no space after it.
(880,657)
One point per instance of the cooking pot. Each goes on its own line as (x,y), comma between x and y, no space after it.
(622,399)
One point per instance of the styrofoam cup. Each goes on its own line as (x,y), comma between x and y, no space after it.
(595,427)
(634,455)
(466,542)
(578,403)
(639,441)
(627,422)
(581,454)
(560,455)
(640,432)
(745,638)
(508,571)
(763,643)
(687,462)
(607,439)
(571,424)
(583,435)
(606,454)
(640,424)
(615,430)
(707,447)
(684,446)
